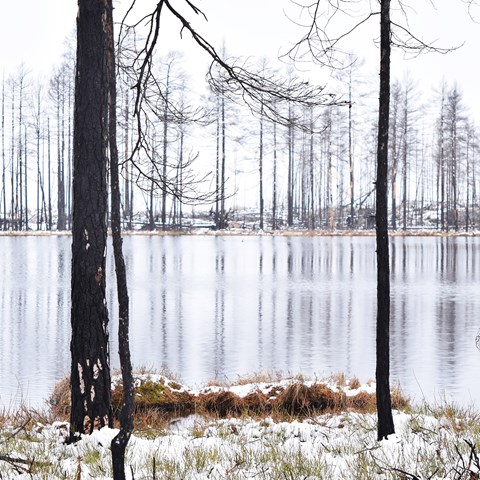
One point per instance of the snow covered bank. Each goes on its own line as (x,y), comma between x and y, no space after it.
(431,441)
(329,446)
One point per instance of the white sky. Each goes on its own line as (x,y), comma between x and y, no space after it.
(33,32)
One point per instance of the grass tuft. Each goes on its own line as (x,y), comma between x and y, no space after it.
(159,399)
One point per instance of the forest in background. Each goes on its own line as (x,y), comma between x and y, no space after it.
(206,159)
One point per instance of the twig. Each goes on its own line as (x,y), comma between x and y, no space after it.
(17,431)
(14,462)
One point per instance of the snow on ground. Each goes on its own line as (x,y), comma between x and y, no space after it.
(342,446)
(329,446)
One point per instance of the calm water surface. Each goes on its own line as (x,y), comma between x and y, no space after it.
(218,307)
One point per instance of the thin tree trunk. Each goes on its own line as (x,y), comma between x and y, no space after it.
(223,216)
(39,176)
(260,170)
(384,403)
(25,181)
(4,186)
(467,213)
(312,175)
(442,160)
(12,164)
(274,200)
(119,443)
(290,169)
(20,154)
(217,170)
(350,154)
(126,213)
(405,157)
(165,149)
(69,157)
(50,220)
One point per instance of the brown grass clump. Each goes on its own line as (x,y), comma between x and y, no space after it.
(362,402)
(339,379)
(354,383)
(256,403)
(223,403)
(298,399)
(157,402)
(60,400)
(399,401)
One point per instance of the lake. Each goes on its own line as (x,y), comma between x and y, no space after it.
(219,307)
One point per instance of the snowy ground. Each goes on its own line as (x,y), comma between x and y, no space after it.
(330,447)
(429,443)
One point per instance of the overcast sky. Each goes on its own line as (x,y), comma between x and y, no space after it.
(33,32)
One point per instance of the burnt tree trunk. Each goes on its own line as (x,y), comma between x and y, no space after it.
(119,443)
(90,372)
(384,403)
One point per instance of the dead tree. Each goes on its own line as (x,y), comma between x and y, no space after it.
(119,443)
(90,372)
(327,50)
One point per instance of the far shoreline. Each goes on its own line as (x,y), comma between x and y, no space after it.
(249,233)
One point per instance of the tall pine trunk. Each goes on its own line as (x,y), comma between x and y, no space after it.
(384,403)
(90,372)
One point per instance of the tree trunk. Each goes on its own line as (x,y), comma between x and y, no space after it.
(126,212)
(4,186)
(165,149)
(217,169)
(260,170)
(290,168)
(312,175)
(274,200)
(405,157)
(61,224)
(12,165)
(90,373)
(49,162)
(119,443)
(25,165)
(20,151)
(223,216)
(353,222)
(384,403)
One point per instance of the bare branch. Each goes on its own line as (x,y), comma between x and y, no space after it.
(322,42)
(228,77)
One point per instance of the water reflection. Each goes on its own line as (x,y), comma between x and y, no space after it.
(219,307)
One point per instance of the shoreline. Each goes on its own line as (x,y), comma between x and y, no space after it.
(250,233)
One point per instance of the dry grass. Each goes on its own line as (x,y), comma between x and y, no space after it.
(60,399)
(157,402)
(24,418)
(255,379)
(354,383)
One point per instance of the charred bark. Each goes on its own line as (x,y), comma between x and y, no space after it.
(384,403)
(90,372)
(119,443)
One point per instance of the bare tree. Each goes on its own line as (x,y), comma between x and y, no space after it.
(4,185)
(384,403)
(90,372)
(229,78)
(394,147)
(119,443)
(346,17)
